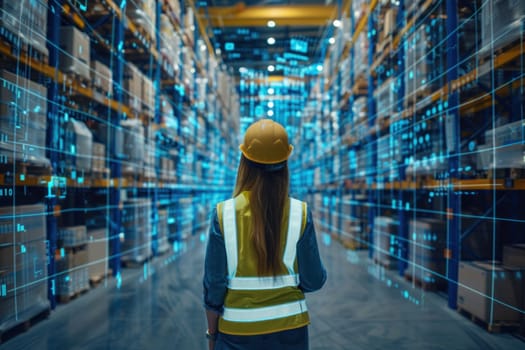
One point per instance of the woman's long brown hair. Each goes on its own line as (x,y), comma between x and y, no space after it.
(269,192)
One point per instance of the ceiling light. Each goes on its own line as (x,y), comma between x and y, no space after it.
(331,40)
(271,91)
(319,68)
(270,113)
(270,104)
(217,51)
(203,47)
(270,41)
(243,70)
(337,23)
(271,68)
(271,24)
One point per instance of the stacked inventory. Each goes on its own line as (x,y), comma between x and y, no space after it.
(97,253)
(71,262)
(385,238)
(23,113)
(23,264)
(136,222)
(428,240)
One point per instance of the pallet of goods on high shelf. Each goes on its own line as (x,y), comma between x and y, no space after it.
(143,14)
(169,44)
(148,171)
(490,294)
(186,215)
(425,61)
(387,166)
(74,57)
(361,66)
(359,8)
(23,266)
(385,240)
(387,27)
(504,148)
(107,134)
(23,123)
(162,231)
(386,97)
(189,25)
(136,222)
(426,258)
(502,24)
(101,78)
(148,97)
(352,229)
(24,24)
(78,146)
(97,255)
(132,85)
(133,148)
(174,9)
(98,161)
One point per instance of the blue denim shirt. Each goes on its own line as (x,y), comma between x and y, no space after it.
(312,274)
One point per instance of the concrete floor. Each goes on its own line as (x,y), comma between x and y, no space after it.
(160,307)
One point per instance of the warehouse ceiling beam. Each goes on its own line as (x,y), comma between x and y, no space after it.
(241,15)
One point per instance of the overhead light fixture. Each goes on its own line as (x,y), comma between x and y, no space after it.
(271,91)
(331,40)
(270,113)
(203,47)
(319,68)
(270,24)
(243,70)
(271,68)
(218,51)
(337,23)
(270,104)
(271,41)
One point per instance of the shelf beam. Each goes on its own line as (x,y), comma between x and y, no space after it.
(258,16)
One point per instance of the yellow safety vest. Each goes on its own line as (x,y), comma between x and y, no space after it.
(253,304)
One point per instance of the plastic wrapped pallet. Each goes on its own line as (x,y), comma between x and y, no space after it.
(361,56)
(385,241)
(75,52)
(490,292)
(23,263)
(428,239)
(133,145)
(425,60)
(72,273)
(27,20)
(72,236)
(106,134)
(162,231)
(132,85)
(23,121)
(97,253)
(102,77)
(501,23)
(78,146)
(136,221)
(386,99)
(143,14)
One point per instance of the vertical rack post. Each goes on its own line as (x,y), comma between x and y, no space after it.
(157,121)
(52,133)
(371,138)
(454,200)
(114,122)
(401,195)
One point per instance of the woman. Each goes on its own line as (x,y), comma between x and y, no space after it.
(262,253)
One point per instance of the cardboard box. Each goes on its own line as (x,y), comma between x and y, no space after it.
(475,291)
(514,256)
(97,252)
(75,53)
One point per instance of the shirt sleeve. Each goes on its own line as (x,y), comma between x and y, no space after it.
(215,279)
(312,274)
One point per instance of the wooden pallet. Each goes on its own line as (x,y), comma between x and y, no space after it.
(64,299)
(425,285)
(133,264)
(9,330)
(96,280)
(387,265)
(494,327)
(73,77)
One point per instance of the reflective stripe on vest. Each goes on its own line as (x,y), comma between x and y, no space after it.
(264,313)
(230,236)
(290,251)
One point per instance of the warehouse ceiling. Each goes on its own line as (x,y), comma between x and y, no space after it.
(278,38)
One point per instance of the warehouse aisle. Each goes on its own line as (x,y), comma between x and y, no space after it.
(355,310)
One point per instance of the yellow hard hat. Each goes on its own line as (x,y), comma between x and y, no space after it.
(266,142)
